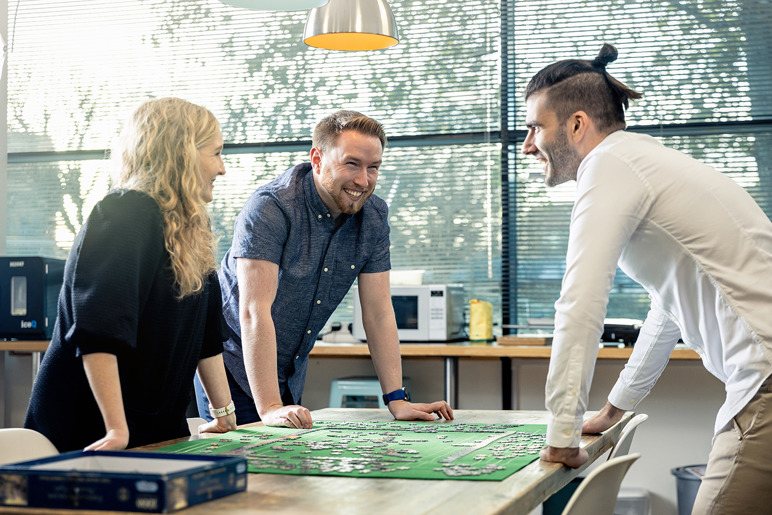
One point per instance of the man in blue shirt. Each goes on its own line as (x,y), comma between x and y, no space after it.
(298,245)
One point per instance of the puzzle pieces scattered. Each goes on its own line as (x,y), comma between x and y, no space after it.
(416,450)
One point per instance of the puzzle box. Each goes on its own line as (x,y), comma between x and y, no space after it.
(121,481)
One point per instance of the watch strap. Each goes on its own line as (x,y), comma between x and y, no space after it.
(396,395)
(221,412)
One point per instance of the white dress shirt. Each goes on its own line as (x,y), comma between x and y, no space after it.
(701,247)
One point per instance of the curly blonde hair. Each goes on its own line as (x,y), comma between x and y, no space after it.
(158,154)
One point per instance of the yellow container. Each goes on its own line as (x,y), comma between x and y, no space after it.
(480,321)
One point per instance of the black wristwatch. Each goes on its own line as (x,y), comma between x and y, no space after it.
(396,395)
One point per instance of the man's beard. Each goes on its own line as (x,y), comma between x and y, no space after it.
(563,161)
(344,204)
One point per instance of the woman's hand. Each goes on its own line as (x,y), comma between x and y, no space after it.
(114,440)
(219,425)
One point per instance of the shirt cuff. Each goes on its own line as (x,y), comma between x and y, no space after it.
(624,397)
(564,432)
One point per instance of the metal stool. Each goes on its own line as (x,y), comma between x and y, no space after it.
(358,392)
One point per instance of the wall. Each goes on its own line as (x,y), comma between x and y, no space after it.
(681,407)
(3,130)
(4,404)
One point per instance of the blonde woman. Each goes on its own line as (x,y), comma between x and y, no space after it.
(140,312)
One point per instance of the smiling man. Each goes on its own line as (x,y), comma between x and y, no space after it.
(298,245)
(693,238)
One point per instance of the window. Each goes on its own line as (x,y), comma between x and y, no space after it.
(464,204)
(77,69)
(704,69)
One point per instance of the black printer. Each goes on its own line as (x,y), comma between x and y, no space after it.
(29,289)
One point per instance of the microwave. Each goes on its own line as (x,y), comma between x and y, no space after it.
(424,313)
(29,292)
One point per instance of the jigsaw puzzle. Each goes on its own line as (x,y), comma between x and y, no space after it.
(411,450)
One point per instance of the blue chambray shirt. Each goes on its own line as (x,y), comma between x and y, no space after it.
(287,223)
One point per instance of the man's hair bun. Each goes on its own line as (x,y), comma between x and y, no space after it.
(607,54)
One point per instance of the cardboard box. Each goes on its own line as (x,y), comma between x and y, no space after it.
(121,481)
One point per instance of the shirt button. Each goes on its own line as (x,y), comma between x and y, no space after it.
(297,357)
(308,332)
(568,432)
(353,267)
(326,269)
(577,432)
(328,215)
(318,301)
(319,217)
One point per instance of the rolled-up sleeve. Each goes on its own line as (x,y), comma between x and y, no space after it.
(261,229)
(113,271)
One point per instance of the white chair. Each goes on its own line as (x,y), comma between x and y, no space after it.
(597,494)
(18,444)
(622,446)
(193,423)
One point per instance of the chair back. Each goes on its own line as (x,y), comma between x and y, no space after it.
(18,444)
(622,446)
(193,423)
(597,494)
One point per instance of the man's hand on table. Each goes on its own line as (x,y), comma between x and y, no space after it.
(404,410)
(571,456)
(574,456)
(604,419)
(288,416)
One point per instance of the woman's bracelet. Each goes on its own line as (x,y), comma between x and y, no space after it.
(221,412)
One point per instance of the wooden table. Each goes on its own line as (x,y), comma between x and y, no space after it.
(451,352)
(283,494)
(32,347)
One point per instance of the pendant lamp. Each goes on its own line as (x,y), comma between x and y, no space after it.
(351,25)
(276,5)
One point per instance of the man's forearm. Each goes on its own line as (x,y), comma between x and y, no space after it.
(384,349)
(260,362)
(381,329)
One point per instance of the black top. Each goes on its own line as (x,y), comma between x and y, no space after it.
(118,296)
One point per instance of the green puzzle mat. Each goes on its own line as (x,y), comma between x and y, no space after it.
(409,450)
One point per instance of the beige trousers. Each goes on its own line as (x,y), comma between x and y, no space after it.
(738,478)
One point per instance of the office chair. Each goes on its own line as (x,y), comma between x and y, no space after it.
(17,444)
(622,446)
(597,494)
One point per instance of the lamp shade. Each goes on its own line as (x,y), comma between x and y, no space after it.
(276,5)
(351,25)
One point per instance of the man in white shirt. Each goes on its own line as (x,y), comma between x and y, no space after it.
(693,238)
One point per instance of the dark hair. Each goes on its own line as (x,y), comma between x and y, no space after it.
(581,85)
(328,130)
